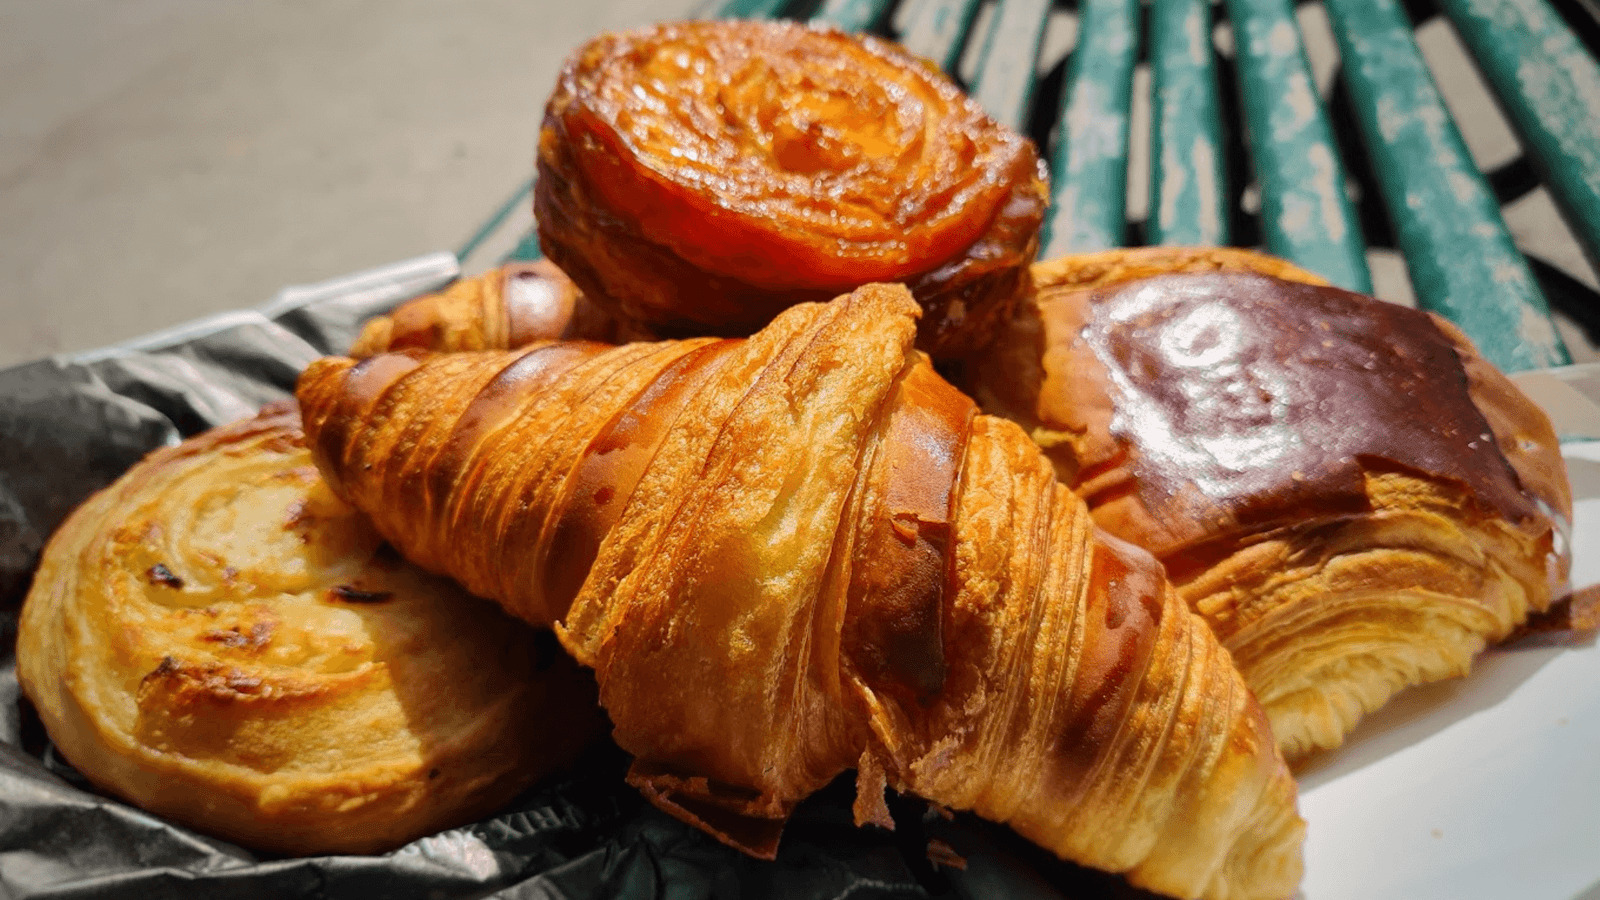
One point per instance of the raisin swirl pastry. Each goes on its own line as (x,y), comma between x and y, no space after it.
(1348,492)
(804,552)
(221,640)
(696,178)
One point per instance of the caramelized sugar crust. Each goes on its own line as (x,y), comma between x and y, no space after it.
(697,178)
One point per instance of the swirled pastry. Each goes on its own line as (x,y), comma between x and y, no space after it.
(221,640)
(1347,491)
(803,552)
(696,178)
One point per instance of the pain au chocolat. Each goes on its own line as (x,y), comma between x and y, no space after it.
(696,178)
(1348,492)
(219,639)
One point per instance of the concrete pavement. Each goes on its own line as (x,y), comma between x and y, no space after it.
(165,159)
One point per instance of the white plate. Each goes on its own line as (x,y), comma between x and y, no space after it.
(1480,788)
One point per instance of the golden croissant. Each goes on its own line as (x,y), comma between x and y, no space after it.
(219,639)
(802,552)
(508,306)
(1349,493)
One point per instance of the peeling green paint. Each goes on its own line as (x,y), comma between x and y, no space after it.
(938,30)
(1005,82)
(1187,177)
(1549,85)
(1090,153)
(1306,213)
(1463,261)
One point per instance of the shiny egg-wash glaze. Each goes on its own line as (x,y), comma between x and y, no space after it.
(1347,491)
(804,552)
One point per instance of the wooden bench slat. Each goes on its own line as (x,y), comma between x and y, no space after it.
(1089,159)
(938,30)
(1549,86)
(1306,213)
(750,9)
(1462,260)
(1188,178)
(852,15)
(1006,78)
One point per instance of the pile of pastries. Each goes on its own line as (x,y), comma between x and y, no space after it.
(795,446)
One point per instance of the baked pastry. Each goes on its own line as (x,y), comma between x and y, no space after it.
(219,639)
(508,306)
(696,178)
(804,552)
(1348,492)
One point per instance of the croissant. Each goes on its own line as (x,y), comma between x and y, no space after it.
(802,552)
(695,178)
(219,639)
(1347,491)
(509,306)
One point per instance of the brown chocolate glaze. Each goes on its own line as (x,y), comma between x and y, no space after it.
(893,628)
(1249,400)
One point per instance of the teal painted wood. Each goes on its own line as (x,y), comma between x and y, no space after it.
(1306,213)
(527,249)
(904,12)
(852,15)
(1006,78)
(938,30)
(496,219)
(1463,262)
(1549,86)
(1089,160)
(751,9)
(1188,181)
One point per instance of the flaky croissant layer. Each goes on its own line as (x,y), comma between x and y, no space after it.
(804,552)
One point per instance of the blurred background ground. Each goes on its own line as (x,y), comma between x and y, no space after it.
(161,160)
(165,159)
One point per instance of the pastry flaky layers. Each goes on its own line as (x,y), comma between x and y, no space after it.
(1348,492)
(219,639)
(804,552)
(508,306)
(695,178)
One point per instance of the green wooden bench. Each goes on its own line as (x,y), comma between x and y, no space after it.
(1244,149)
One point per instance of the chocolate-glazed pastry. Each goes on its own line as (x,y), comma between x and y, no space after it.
(697,178)
(1343,487)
